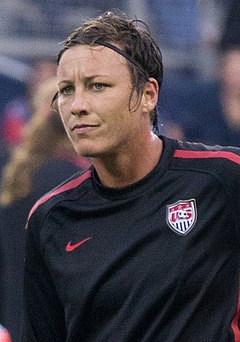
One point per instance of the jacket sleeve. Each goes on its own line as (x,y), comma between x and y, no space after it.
(43,313)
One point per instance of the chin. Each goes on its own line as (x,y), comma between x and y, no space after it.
(89,152)
(94,150)
(94,153)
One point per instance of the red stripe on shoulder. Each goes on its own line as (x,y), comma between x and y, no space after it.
(207,154)
(70,185)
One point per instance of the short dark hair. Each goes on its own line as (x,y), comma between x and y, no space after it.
(143,55)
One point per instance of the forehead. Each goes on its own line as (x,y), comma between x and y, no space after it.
(91,59)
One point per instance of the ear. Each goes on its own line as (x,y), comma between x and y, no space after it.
(150,95)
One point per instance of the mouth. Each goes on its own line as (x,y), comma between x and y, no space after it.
(83,128)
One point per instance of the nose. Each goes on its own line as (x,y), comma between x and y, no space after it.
(79,105)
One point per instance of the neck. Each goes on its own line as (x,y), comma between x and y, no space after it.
(127,168)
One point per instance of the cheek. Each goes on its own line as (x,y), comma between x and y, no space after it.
(64,111)
(118,110)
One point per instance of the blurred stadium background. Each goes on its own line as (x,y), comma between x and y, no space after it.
(33,28)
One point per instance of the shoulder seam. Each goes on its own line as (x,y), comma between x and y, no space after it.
(65,187)
(190,154)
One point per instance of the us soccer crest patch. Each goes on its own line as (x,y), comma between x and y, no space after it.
(182,216)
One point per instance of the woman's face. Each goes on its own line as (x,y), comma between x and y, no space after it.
(94,93)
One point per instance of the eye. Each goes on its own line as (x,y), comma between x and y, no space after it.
(68,90)
(98,86)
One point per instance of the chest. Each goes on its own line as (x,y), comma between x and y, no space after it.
(128,249)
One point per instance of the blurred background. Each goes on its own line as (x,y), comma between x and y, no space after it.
(199,101)
(32,29)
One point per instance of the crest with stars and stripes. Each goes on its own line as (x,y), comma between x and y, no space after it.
(182,216)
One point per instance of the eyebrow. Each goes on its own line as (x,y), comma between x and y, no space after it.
(85,78)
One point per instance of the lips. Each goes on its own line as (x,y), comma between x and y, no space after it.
(83,126)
